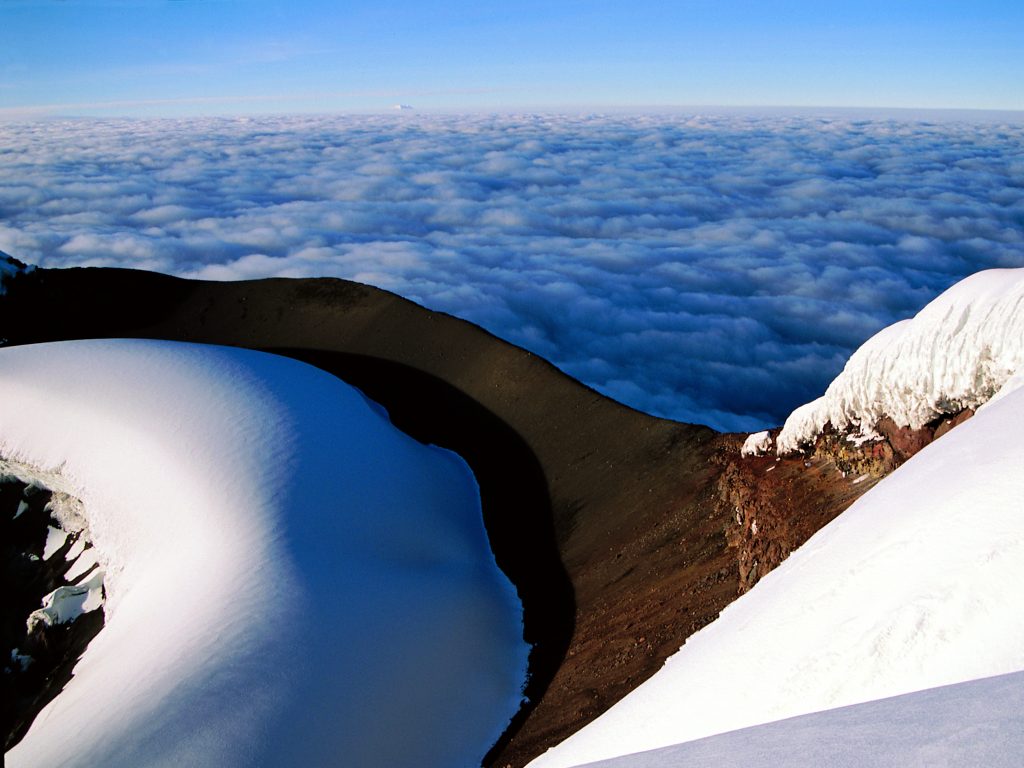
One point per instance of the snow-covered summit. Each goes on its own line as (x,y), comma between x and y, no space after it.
(956,354)
(288,577)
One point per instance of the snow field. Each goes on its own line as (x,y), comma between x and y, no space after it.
(979,722)
(288,577)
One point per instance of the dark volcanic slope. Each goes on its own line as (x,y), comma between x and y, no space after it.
(613,524)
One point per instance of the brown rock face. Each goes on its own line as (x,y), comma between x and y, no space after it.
(874,457)
(777,504)
(904,441)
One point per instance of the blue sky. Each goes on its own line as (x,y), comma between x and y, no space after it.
(182,57)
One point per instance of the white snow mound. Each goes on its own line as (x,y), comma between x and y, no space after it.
(917,585)
(956,353)
(757,444)
(290,580)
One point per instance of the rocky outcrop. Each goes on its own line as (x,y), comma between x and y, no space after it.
(775,504)
(47,622)
(877,456)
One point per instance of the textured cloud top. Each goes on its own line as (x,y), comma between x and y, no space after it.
(717,269)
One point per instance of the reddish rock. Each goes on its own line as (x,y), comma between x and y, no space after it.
(904,441)
(775,505)
(949,422)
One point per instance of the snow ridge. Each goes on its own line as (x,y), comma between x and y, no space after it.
(957,353)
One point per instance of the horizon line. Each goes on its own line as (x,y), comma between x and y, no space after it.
(43,113)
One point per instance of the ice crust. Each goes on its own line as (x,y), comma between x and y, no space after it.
(914,586)
(288,577)
(956,353)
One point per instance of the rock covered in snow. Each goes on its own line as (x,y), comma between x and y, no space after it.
(757,444)
(67,603)
(954,356)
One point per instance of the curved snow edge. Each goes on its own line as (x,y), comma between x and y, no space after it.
(291,578)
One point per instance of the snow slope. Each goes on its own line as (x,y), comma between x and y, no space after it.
(956,353)
(288,577)
(977,723)
(917,585)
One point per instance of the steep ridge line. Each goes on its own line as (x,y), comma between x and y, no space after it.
(614,525)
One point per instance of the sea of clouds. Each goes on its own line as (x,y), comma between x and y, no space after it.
(710,268)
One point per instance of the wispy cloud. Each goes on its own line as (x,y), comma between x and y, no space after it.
(709,268)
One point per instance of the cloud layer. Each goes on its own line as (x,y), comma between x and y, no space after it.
(717,269)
